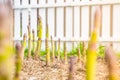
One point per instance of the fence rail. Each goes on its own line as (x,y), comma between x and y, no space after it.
(70,4)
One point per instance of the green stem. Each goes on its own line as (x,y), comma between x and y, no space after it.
(92,53)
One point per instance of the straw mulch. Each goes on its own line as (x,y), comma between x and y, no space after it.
(37,70)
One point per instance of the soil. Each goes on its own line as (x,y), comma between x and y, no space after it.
(37,70)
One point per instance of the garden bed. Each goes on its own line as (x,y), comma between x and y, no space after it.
(36,70)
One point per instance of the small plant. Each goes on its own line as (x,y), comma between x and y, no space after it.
(101,51)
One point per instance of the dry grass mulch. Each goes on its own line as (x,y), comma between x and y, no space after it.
(36,70)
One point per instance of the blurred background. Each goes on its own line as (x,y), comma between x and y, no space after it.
(69,20)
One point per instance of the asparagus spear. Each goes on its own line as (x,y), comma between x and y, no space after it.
(113,67)
(6,42)
(84,52)
(65,54)
(39,42)
(58,50)
(18,61)
(53,53)
(91,54)
(39,28)
(37,55)
(29,41)
(47,47)
(33,41)
(23,45)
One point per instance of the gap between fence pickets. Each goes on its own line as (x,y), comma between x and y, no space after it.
(69,4)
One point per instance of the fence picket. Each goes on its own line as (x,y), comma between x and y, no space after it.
(17,21)
(60,22)
(106,22)
(116,28)
(85,23)
(51,18)
(33,17)
(76,22)
(68,25)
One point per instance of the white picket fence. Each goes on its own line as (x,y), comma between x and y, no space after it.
(69,20)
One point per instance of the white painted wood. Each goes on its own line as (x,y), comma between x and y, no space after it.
(60,21)
(85,23)
(25,15)
(116,26)
(17,21)
(33,17)
(76,22)
(51,18)
(116,22)
(69,19)
(106,22)
(83,3)
(69,24)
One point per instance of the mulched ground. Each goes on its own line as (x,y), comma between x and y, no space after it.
(36,70)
